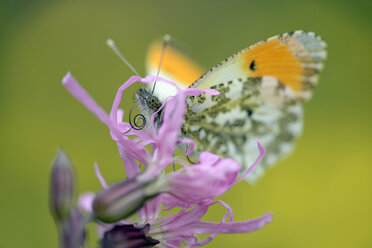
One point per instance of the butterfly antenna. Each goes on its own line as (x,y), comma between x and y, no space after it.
(166,40)
(112,45)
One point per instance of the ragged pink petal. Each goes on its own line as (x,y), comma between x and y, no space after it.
(171,202)
(130,165)
(150,211)
(262,153)
(100,177)
(205,180)
(119,95)
(175,226)
(167,134)
(233,227)
(219,227)
(197,92)
(80,94)
(209,158)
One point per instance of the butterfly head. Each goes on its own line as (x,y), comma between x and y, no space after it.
(146,99)
(148,105)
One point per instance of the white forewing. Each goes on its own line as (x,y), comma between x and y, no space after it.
(163,89)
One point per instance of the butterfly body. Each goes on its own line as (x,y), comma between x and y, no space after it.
(262,89)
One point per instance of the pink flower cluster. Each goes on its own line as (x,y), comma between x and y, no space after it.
(192,189)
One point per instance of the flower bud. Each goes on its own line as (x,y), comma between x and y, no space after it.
(123,199)
(61,187)
(128,236)
(73,230)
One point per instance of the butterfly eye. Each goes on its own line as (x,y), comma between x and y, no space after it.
(153,103)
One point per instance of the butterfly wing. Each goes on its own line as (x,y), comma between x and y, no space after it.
(176,66)
(262,90)
(294,58)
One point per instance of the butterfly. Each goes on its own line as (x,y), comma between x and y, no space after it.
(262,90)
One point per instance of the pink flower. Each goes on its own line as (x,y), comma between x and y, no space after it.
(193,188)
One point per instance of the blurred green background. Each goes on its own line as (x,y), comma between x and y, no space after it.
(321,195)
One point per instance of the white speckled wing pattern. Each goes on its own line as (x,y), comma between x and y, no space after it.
(246,109)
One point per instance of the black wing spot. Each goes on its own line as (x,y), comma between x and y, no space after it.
(252,66)
(249,112)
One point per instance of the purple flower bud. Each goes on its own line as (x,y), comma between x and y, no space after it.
(61,187)
(123,199)
(128,236)
(73,230)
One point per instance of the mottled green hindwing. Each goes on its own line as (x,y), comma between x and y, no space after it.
(247,109)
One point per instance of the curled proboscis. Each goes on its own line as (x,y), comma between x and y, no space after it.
(139,120)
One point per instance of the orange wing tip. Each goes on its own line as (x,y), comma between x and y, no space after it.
(175,64)
(273,58)
(294,58)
